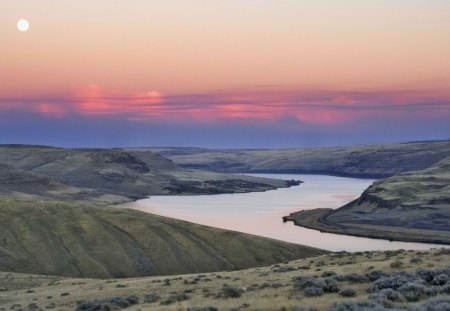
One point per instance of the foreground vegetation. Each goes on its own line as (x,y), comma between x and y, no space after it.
(390,280)
(412,206)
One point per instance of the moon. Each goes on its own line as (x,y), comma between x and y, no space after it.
(23,25)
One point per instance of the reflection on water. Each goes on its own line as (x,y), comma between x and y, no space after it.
(261,213)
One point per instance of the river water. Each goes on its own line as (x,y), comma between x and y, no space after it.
(261,213)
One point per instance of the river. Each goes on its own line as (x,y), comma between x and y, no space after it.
(261,213)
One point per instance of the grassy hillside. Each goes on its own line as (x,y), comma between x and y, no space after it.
(56,238)
(370,161)
(109,175)
(391,280)
(413,206)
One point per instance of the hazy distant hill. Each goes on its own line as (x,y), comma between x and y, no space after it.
(109,175)
(409,206)
(68,239)
(372,161)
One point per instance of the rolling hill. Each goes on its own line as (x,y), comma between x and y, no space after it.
(362,161)
(110,175)
(72,239)
(411,206)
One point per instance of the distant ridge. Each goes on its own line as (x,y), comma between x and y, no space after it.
(110,175)
(361,161)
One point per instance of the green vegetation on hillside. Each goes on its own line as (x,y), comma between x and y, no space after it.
(68,239)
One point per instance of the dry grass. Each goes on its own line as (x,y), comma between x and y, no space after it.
(272,290)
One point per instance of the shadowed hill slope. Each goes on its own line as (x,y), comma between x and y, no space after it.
(16,180)
(366,161)
(412,206)
(56,238)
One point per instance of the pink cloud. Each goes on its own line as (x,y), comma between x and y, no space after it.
(53,110)
(320,107)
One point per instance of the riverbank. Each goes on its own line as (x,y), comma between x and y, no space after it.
(412,206)
(318,219)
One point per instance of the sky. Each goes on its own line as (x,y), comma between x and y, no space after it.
(224,74)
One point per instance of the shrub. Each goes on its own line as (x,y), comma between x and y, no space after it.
(444,251)
(412,291)
(433,291)
(201,309)
(331,286)
(254,287)
(357,306)
(133,300)
(434,304)
(347,292)
(353,278)
(385,294)
(150,298)
(328,273)
(445,289)
(394,282)
(374,275)
(416,260)
(440,279)
(110,303)
(429,274)
(397,264)
(175,298)
(230,292)
(328,285)
(303,282)
(313,291)
(303,309)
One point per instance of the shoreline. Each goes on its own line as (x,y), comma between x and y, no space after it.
(316,219)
